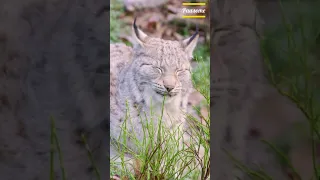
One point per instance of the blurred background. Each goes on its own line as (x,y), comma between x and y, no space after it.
(290,48)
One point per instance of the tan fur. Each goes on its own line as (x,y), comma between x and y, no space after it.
(140,77)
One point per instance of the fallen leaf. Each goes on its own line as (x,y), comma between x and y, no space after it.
(168,32)
(173,9)
(160,30)
(178,36)
(115,178)
(171,17)
(156,17)
(127,19)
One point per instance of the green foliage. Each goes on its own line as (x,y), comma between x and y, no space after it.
(201,74)
(291,48)
(293,65)
(116,9)
(55,145)
(201,78)
(160,153)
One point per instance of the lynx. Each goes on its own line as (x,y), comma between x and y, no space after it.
(140,79)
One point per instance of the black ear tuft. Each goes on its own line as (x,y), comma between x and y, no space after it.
(139,35)
(190,43)
(194,35)
(135,27)
(134,23)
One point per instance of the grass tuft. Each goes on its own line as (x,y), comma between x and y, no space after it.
(55,145)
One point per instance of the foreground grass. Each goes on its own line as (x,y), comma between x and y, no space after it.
(160,154)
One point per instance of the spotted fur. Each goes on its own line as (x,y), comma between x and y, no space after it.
(142,76)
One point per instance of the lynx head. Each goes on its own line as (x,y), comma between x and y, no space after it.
(162,67)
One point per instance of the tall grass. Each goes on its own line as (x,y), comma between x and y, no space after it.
(298,81)
(55,145)
(159,155)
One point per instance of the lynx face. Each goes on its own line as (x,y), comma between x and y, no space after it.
(162,66)
(163,69)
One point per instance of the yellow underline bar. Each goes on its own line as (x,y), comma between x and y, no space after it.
(193,16)
(194,4)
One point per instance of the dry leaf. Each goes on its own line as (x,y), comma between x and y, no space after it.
(115,178)
(168,32)
(156,17)
(171,17)
(173,9)
(127,19)
(160,30)
(178,36)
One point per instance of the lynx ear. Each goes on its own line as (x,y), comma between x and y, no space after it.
(190,43)
(139,35)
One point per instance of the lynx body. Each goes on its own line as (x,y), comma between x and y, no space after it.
(140,79)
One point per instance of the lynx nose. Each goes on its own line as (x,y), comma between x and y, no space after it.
(169,88)
(169,82)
